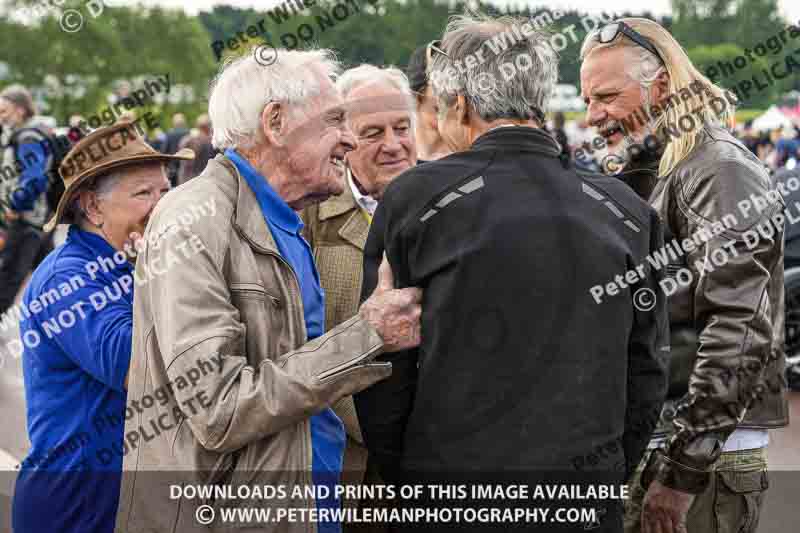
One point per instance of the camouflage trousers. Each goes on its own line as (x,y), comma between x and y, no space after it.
(731,503)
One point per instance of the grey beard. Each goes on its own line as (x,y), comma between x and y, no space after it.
(625,149)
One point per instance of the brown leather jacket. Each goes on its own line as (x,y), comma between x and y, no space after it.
(245,420)
(726,303)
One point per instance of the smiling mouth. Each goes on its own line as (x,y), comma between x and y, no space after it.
(609,131)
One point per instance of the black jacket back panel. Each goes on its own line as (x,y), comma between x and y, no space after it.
(519,367)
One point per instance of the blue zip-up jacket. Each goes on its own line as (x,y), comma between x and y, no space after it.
(77,347)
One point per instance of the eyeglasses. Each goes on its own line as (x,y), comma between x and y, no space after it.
(608,33)
(434,46)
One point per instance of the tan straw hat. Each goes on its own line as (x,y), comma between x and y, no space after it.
(101,151)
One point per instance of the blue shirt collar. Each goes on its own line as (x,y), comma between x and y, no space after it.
(97,245)
(273,207)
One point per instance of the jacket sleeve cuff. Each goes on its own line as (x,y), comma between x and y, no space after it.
(675,475)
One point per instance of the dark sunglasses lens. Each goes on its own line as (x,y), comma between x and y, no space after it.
(609,33)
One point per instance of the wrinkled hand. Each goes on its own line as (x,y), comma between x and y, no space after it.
(664,509)
(394,313)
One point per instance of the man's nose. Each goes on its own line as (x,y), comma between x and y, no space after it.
(348,140)
(391,142)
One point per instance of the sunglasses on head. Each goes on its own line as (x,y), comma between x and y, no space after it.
(608,33)
(434,46)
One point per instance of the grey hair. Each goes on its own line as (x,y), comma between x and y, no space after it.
(367,74)
(20,97)
(484,86)
(243,87)
(101,185)
(642,66)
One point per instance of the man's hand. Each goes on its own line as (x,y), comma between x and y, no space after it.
(133,245)
(10,215)
(664,509)
(394,313)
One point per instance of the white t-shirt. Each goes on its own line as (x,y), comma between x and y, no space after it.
(740,439)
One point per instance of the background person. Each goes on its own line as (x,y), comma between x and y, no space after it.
(252,298)
(199,141)
(172,142)
(25,161)
(787,148)
(76,356)
(707,460)
(560,135)
(380,108)
(510,330)
(430,145)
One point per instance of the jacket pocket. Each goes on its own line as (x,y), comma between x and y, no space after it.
(264,317)
(738,500)
(253,291)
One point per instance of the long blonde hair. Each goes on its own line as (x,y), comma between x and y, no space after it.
(682,75)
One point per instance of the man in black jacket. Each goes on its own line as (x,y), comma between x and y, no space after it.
(523,367)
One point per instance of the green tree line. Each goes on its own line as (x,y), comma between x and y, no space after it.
(77,71)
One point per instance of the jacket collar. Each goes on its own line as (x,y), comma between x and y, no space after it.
(272,206)
(518,139)
(356,229)
(641,174)
(338,205)
(247,217)
(97,246)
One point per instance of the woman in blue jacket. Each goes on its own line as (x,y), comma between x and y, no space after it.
(77,320)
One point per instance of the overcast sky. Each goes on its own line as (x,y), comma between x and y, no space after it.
(790,8)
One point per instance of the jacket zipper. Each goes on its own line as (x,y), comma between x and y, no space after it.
(340,368)
(295,289)
(345,366)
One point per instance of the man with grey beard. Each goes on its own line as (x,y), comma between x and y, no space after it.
(706,465)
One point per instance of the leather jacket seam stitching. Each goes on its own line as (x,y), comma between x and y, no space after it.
(183,352)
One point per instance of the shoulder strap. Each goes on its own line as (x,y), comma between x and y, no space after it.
(31,132)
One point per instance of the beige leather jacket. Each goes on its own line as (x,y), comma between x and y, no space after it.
(220,351)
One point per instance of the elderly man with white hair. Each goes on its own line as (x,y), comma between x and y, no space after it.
(380,108)
(237,339)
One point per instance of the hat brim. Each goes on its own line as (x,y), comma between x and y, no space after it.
(181,155)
